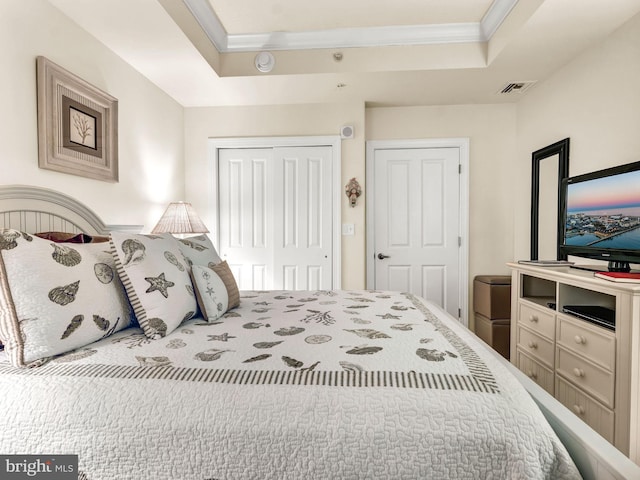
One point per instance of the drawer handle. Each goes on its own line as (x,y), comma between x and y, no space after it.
(580,340)
(532,344)
(578,372)
(532,375)
(579,409)
(533,318)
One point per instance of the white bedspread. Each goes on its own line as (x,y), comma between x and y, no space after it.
(291,385)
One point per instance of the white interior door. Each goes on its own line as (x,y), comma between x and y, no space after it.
(275,214)
(417,223)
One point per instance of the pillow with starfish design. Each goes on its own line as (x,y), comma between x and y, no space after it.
(156,279)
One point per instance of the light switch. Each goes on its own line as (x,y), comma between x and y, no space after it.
(348,229)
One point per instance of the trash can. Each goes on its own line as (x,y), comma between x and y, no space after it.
(492,311)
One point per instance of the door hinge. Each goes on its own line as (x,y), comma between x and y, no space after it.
(459,241)
(459,313)
(459,168)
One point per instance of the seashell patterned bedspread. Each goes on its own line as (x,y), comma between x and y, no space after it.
(290,385)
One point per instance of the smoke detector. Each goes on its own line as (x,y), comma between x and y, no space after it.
(515,87)
(264,62)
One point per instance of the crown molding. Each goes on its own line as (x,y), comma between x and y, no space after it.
(356,37)
(349,37)
(209,21)
(498,11)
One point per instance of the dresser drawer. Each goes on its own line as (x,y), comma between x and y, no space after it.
(598,417)
(589,377)
(536,372)
(542,322)
(591,342)
(536,346)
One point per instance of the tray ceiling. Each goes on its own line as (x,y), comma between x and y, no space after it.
(378,52)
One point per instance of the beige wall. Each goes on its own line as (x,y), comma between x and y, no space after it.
(283,121)
(595,101)
(491,131)
(151,141)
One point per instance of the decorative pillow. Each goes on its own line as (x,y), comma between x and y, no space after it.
(211,292)
(224,272)
(199,251)
(64,237)
(156,280)
(55,298)
(99,238)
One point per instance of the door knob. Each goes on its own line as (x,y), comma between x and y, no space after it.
(382,256)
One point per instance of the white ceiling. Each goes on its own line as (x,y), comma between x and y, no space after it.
(242,16)
(394,52)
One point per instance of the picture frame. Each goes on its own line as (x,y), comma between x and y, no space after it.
(77,125)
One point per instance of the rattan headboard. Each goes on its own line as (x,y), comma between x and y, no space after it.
(36,209)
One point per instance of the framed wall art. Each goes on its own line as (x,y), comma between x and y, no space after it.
(77,125)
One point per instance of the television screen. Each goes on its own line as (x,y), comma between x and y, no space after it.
(605,212)
(602,214)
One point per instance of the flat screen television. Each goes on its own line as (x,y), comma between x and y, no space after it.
(601,217)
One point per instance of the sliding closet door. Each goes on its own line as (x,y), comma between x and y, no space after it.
(246,213)
(276,216)
(302,230)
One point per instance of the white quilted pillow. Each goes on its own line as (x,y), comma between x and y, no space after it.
(199,250)
(156,279)
(211,292)
(56,297)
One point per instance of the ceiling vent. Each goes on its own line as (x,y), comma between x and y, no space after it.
(516,87)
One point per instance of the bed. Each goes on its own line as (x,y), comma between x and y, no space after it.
(252,384)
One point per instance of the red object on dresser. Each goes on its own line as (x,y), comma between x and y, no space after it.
(623,277)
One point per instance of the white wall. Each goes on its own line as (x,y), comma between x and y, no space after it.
(151,141)
(595,101)
(283,121)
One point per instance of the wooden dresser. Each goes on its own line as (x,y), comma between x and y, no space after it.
(593,370)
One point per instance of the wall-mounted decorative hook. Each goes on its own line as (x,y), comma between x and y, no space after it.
(353,191)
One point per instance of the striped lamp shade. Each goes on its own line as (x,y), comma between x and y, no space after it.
(180,217)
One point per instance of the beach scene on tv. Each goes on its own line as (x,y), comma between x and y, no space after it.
(604,212)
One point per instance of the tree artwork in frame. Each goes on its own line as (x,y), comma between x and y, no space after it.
(77,125)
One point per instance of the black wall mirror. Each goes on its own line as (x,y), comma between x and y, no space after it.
(550,165)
